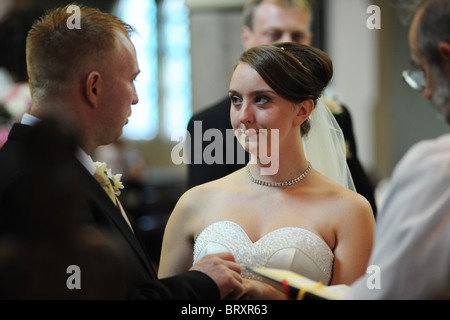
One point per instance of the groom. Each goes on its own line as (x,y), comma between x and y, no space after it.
(84,77)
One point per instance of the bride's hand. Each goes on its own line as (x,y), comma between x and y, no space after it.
(257,290)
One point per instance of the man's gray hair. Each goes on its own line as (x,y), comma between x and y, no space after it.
(434,27)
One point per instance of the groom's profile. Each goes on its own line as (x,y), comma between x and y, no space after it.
(84,77)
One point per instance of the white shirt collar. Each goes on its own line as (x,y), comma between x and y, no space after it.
(86,161)
(29,120)
(82,156)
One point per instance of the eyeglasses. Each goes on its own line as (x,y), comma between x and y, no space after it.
(415,78)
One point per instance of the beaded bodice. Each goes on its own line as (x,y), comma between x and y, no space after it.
(294,249)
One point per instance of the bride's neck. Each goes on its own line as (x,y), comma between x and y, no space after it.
(289,164)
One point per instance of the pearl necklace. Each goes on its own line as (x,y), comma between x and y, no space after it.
(278,184)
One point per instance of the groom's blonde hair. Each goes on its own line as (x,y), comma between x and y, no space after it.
(56,54)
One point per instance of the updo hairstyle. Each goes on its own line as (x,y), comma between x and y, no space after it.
(294,71)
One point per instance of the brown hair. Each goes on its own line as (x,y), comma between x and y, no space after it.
(55,53)
(294,71)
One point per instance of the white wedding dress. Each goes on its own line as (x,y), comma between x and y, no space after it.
(293,249)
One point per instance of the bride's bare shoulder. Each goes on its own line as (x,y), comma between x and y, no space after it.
(355,211)
(343,199)
(201,195)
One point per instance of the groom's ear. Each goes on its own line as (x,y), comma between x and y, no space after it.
(93,88)
(303,111)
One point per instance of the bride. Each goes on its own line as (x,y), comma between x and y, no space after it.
(298,217)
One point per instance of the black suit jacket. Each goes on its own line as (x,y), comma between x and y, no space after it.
(218,117)
(215,117)
(99,212)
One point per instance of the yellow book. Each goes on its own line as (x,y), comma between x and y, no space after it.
(298,286)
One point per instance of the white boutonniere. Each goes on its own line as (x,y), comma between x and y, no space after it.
(114,179)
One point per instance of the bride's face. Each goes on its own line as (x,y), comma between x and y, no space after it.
(257,110)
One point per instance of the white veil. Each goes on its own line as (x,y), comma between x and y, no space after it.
(324,146)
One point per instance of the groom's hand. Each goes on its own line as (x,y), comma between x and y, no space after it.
(225,272)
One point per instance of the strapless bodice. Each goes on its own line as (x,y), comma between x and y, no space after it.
(294,249)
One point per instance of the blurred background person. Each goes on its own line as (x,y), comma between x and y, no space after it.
(15,97)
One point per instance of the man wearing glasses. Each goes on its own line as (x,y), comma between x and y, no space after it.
(411,255)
